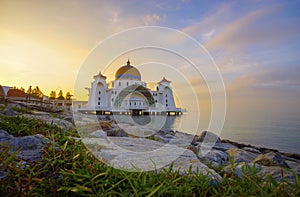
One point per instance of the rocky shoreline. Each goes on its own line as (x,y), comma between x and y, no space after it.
(122,145)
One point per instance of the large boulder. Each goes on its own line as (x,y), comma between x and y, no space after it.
(5,138)
(136,154)
(277,173)
(270,159)
(295,166)
(30,147)
(239,155)
(98,134)
(30,142)
(252,149)
(51,120)
(242,168)
(215,157)
(116,132)
(10,112)
(208,137)
(188,162)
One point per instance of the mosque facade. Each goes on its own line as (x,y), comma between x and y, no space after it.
(129,95)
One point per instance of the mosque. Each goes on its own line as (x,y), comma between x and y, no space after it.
(129,95)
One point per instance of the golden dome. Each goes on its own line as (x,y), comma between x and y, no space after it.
(128,72)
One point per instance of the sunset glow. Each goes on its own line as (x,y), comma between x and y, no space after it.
(254,43)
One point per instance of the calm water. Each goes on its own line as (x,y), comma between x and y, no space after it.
(283,135)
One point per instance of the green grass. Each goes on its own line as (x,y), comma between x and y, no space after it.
(71,170)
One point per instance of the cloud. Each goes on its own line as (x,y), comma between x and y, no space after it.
(241,83)
(273,78)
(151,19)
(209,23)
(239,33)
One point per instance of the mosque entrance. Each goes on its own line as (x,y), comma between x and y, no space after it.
(137,112)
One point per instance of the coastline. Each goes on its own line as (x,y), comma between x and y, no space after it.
(206,154)
(161,153)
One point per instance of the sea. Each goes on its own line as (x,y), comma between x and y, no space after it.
(283,135)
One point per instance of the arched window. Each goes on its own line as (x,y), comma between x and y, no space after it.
(166,105)
(98,98)
(112,99)
(166,95)
(166,100)
(99,92)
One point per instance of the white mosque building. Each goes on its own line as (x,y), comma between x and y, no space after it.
(128,94)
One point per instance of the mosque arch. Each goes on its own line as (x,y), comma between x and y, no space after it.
(134,88)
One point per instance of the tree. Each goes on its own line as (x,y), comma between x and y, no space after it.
(52,95)
(60,95)
(68,96)
(29,91)
(37,93)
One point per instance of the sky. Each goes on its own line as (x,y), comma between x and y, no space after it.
(255,44)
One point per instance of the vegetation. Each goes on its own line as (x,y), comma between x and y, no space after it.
(69,169)
(35,92)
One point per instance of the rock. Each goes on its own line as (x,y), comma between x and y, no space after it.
(116,132)
(180,142)
(208,137)
(28,142)
(166,132)
(251,149)
(30,155)
(165,139)
(239,155)
(10,112)
(188,162)
(218,146)
(136,154)
(105,125)
(292,156)
(138,131)
(223,146)
(242,168)
(295,166)
(217,157)
(61,123)
(180,139)
(270,159)
(5,137)
(51,120)
(278,173)
(69,119)
(30,147)
(13,105)
(99,134)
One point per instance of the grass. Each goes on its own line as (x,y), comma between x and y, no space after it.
(69,169)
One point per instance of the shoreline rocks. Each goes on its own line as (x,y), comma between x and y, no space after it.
(122,145)
(30,148)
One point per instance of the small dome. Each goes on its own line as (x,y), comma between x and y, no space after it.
(128,72)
